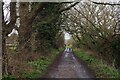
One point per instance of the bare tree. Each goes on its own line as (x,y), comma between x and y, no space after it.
(94,26)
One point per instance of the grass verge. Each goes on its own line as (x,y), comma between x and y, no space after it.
(101,69)
(41,65)
(37,67)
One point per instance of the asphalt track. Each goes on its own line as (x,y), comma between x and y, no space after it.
(69,66)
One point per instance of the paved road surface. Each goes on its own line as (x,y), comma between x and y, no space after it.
(69,66)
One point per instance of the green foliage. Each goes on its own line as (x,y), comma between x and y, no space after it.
(12,47)
(9,77)
(40,66)
(101,69)
(34,74)
(46,26)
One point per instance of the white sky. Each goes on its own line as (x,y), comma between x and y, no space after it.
(7,1)
(67,36)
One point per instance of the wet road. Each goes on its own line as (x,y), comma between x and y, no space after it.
(69,67)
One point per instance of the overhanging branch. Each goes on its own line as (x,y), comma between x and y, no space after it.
(102,3)
(69,7)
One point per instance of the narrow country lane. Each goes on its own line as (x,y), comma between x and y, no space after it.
(69,66)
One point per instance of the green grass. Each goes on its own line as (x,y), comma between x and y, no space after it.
(9,77)
(41,65)
(101,69)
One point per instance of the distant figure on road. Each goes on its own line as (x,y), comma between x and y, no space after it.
(68,48)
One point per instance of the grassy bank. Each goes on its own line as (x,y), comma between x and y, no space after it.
(41,65)
(38,67)
(101,69)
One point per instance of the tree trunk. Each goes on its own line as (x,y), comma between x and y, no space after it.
(24,29)
(4,55)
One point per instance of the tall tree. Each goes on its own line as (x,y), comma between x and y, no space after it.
(26,19)
(6,29)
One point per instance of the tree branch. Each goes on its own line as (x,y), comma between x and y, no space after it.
(102,3)
(69,7)
(35,11)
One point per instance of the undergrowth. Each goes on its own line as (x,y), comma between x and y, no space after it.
(39,66)
(101,69)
